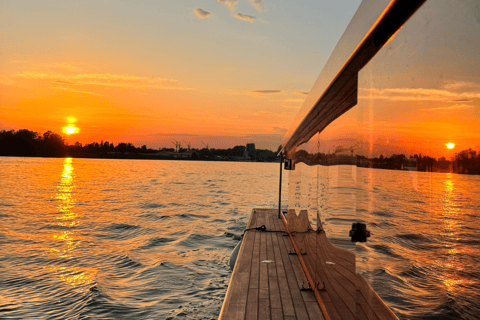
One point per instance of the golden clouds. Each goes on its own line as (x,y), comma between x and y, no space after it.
(202,14)
(61,79)
(258,4)
(267,91)
(453,107)
(232,4)
(301,93)
(245,17)
(75,91)
(419,94)
(88,76)
(63,66)
(278,98)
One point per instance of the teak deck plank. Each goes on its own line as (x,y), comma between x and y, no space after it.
(266,281)
(237,298)
(372,300)
(334,268)
(297,297)
(285,294)
(255,271)
(275,301)
(363,308)
(252,300)
(343,302)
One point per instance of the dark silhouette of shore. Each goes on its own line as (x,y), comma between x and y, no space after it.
(26,143)
(463,162)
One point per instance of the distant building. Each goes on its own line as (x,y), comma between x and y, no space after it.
(250,147)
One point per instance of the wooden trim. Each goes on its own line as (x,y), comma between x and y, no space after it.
(241,286)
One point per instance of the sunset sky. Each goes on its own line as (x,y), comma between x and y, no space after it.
(420,93)
(223,72)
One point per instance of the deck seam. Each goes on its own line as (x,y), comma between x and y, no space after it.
(332,283)
(319,299)
(284,270)
(272,291)
(276,267)
(254,214)
(285,242)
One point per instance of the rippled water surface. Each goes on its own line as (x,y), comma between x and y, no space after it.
(139,239)
(424,254)
(129,239)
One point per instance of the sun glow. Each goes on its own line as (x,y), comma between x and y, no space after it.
(71,119)
(70,130)
(450,145)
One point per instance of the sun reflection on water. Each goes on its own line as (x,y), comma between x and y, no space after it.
(449,261)
(68,240)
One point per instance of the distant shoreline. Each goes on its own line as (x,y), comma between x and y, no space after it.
(136,157)
(26,143)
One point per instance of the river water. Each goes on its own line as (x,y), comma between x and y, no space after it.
(140,239)
(423,257)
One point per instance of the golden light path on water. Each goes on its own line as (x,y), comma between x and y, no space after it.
(446,215)
(68,239)
(451,228)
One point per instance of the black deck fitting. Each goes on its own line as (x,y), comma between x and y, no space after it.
(359,232)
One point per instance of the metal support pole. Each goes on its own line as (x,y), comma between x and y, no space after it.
(280,188)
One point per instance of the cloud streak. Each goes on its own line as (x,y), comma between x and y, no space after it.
(267,91)
(89,76)
(64,66)
(459,84)
(245,17)
(258,4)
(416,94)
(232,4)
(72,90)
(202,14)
(6,80)
(454,107)
(301,93)
(294,100)
(104,80)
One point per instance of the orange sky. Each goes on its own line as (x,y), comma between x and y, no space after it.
(420,92)
(126,107)
(232,72)
(149,72)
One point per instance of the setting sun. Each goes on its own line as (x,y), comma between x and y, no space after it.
(450,145)
(70,130)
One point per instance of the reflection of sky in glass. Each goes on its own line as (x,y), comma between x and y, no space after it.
(422,90)
(67,239)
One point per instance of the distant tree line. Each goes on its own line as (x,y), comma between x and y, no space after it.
(464,162)
(26,143)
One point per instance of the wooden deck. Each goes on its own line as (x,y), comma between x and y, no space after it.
(266,282)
